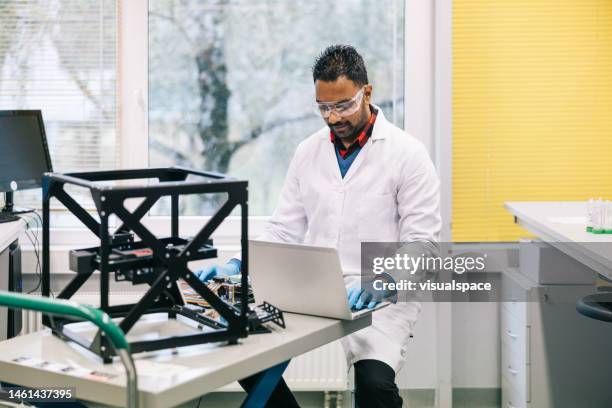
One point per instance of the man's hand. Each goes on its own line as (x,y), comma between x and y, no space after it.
(364,294)
(359,297)
(232,267)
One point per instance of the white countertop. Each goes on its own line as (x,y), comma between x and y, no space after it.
(563,225)
(166,378)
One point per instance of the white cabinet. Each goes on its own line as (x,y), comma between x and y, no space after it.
(515,363)
(515,341)
(551,356)
(511,398)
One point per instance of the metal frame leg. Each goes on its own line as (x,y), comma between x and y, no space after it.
(259,395)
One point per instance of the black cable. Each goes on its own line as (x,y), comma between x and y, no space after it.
(39,217)
(35,245)
(39,243)
(36,270)
(38,262)
(33,238)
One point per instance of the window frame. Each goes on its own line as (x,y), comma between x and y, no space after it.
(133,91)
(420,106)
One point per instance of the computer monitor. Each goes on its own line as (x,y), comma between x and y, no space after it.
(24,154)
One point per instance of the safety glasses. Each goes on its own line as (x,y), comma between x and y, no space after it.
(342,109)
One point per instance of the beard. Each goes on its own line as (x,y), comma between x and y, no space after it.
(346,130)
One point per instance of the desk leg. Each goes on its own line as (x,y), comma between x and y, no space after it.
(266,383)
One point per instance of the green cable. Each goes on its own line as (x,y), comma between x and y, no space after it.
(67,308)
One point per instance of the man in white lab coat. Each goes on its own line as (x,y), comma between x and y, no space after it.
(358,179)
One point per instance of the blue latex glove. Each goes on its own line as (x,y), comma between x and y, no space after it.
(364,294)
(359,297)
(232,267)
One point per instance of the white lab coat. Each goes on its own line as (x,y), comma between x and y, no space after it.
(390,193)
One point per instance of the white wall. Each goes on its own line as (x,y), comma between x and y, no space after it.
(476,345)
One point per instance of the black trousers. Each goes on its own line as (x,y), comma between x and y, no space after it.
(374,387)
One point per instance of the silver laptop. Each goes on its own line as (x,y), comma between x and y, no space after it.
(301,279)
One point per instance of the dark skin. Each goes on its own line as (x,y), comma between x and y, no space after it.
(346,128)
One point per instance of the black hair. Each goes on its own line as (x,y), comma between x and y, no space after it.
(339,60)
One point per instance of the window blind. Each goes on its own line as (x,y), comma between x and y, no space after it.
(59,56)
(532,96)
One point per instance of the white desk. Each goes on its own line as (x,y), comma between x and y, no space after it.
(552,357)
(166,379)
(558,224)
(9,232)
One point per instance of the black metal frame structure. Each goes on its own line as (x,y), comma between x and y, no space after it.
(168,260)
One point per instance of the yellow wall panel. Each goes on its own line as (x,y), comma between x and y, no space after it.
(532,108)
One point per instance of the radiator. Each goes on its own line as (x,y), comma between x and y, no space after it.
(323,369)
(31,322)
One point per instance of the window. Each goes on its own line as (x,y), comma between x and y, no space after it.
(59,56)
(230,84)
